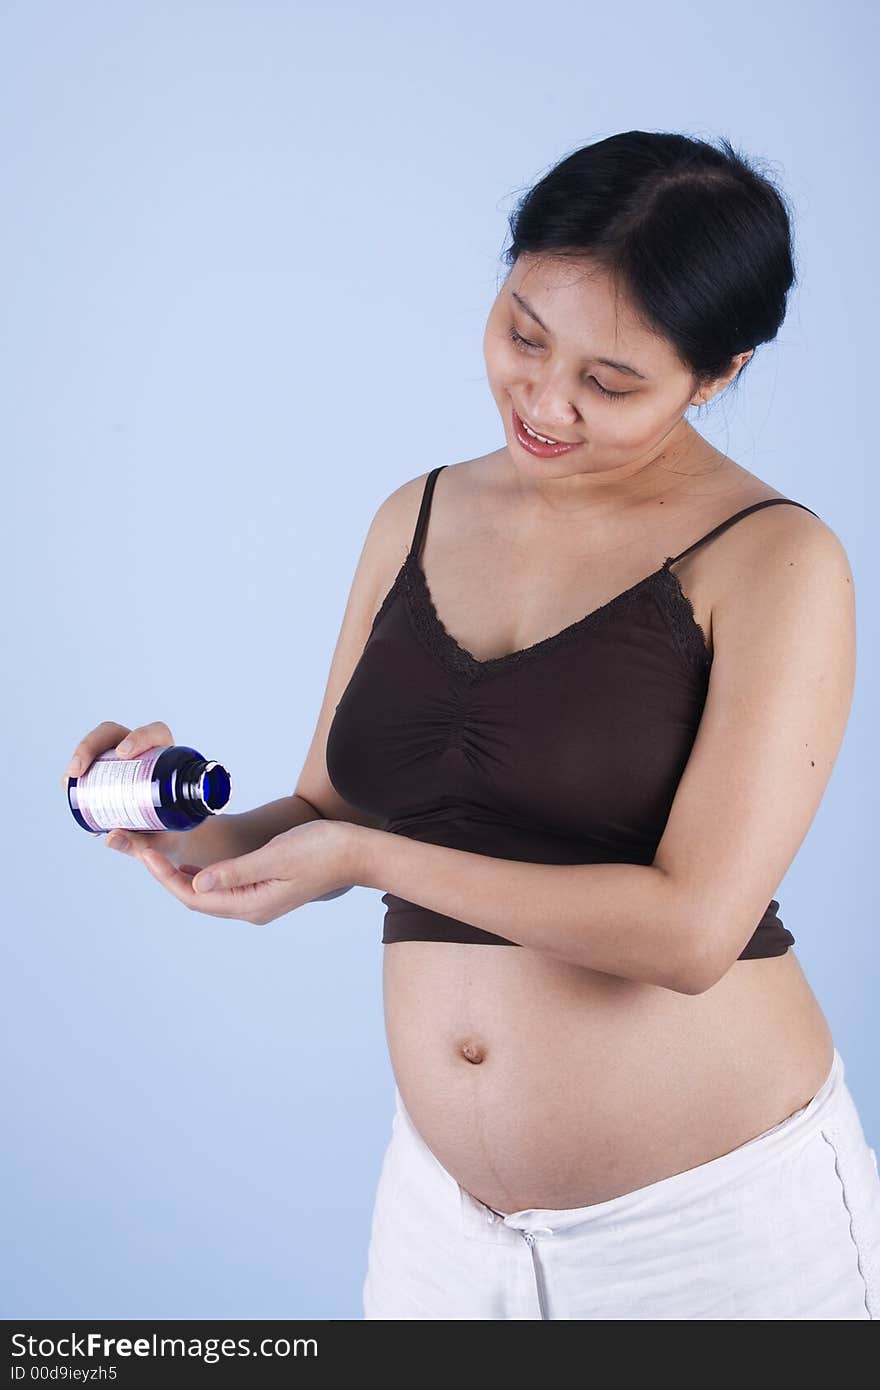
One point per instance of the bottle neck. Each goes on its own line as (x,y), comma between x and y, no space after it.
(203,784)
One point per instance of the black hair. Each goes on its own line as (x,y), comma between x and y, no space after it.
(696,236)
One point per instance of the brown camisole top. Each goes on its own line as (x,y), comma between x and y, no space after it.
(566,752)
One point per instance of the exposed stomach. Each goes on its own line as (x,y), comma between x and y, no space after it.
(542,1084)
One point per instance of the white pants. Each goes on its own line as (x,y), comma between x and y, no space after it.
(786,1226)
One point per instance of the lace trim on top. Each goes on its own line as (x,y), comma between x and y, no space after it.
(679,613)
(674,604)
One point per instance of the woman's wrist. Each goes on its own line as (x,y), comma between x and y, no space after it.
(364,855)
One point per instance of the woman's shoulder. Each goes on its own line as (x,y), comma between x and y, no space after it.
(722,491)
(791,515)
(464,482)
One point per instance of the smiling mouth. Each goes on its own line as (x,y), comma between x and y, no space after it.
(537,442)
(544,438)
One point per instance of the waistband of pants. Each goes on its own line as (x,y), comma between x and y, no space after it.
(829,1107)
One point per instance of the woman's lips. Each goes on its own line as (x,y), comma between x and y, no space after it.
(534,446)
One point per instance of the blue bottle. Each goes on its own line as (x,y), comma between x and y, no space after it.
(170,788)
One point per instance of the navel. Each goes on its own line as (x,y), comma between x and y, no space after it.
(472,1052)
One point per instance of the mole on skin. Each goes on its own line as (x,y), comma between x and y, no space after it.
(473,1052)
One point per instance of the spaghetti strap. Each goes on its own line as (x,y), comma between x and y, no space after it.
(768,502)
(422,522)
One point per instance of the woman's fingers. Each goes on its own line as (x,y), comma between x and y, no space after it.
(133,843)
(155,735)
(97,741)
(179,882)
(126,743)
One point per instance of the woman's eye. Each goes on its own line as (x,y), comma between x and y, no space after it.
(612,395)
(520,340)
(522,343)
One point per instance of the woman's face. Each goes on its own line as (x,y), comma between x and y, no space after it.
(553,375)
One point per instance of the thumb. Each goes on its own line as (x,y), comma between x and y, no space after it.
(232,873)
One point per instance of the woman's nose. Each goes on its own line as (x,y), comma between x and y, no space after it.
(549,410)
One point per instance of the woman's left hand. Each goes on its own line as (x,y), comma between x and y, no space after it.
(311,862)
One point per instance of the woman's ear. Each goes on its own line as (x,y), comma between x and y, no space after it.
(712,388)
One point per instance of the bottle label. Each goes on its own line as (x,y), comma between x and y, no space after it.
(117,793)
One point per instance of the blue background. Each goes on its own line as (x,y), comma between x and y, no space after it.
(232,234)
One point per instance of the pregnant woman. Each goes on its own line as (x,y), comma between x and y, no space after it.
(587,696)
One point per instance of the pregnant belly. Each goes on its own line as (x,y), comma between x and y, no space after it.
(541,1084)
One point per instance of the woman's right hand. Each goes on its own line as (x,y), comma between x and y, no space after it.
(107,736)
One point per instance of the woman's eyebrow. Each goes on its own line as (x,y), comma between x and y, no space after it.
(606,361)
